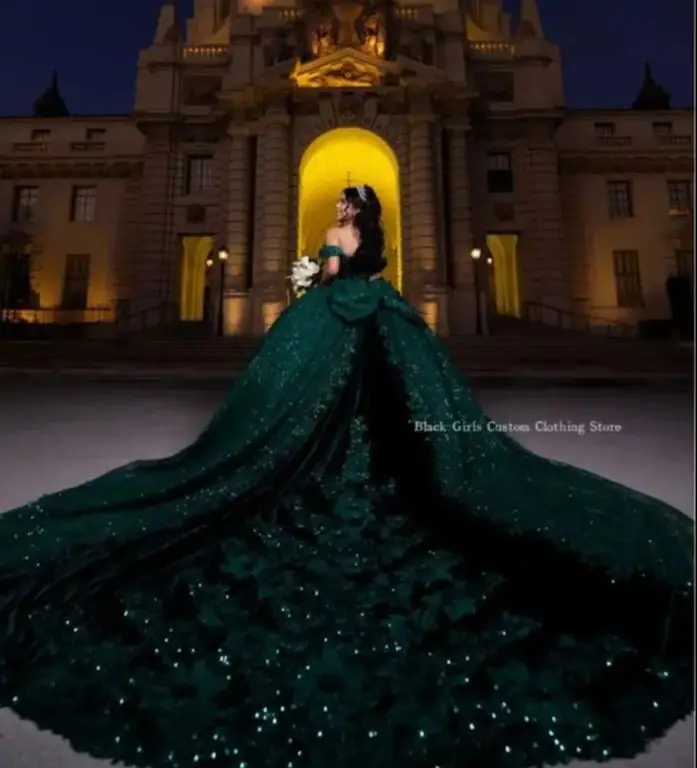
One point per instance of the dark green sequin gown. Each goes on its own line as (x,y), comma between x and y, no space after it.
(315,582)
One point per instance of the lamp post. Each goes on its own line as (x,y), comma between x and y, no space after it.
(218,258)
(488,305)
(476,255)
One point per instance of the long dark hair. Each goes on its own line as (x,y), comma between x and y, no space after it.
(368,221)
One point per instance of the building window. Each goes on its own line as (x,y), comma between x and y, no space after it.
(604,130)
(663,129)
(83,204)
(496,86)
(25,205)
(679,197)
(76,281)
(199,174)
(41,136)
(499,175)
(628,279)
(96,135)
(619,196)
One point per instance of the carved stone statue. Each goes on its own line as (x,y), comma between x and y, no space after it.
(324,37)
(373,35)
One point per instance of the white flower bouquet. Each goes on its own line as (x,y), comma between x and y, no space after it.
(304,274)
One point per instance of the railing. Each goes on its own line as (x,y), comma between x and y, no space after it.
(407,14)
(675,140)
(144,319)
(289,15)
(680,216)
(545,314)
(642,142)
(613,141)
(52,322)
(204,53)
(30,147)
(492,48)
(88,146)
(98,314)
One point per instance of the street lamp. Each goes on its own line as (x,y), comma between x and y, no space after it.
(476,255)
(219,258)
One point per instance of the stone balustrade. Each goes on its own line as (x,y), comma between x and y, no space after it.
(204,54)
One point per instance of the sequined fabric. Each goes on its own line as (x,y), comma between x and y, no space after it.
(317,581)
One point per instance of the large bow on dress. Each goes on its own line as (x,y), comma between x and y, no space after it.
(355,300)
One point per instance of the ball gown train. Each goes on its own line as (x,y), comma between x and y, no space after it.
(315,582)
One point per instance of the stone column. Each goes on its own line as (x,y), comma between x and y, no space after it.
(462,299)
(578,246)
(270,287)
(237,211)
(543,257)
(155,256)
(422,283)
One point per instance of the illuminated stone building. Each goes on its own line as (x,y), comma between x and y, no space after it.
(246,127)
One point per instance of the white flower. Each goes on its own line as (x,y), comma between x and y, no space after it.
(303,274)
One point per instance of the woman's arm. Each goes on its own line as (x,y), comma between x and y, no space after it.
(332,265)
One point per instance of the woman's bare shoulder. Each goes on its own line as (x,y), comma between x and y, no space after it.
(333,236)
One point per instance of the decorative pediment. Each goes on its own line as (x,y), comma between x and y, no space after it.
(343,68)
(350,68)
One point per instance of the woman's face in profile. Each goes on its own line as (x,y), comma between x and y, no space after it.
(344,210)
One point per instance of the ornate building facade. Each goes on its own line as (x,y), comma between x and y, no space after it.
(246,128)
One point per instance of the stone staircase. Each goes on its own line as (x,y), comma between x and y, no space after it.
(540,320)
(492,354)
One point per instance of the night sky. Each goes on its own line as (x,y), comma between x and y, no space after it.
(604,44)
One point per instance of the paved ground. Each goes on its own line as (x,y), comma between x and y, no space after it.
(61,433)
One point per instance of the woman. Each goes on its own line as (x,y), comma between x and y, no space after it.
(316,582)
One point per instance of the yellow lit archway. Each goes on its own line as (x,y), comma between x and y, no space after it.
(504,251)
(192,276)
(334,160)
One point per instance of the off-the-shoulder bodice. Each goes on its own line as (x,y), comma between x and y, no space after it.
(361,264)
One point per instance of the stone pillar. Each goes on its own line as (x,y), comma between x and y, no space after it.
(462,299)
(237,211)
(578,247)
(542,244)
(270,286)
(422,283)
(156,253)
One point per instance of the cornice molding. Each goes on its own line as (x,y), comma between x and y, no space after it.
(625,164)
(62,169)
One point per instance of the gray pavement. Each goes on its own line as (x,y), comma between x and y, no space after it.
(60,432)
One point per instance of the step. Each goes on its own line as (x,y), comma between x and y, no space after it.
(179,354)
(494,342)
(455,352)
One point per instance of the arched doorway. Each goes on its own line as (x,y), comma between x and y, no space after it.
(346,157)
(193,276)
(504,251)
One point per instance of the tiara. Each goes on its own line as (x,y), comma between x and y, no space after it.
(362,192)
